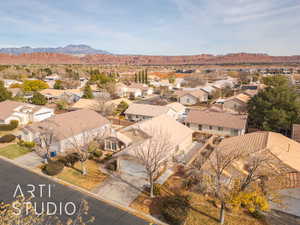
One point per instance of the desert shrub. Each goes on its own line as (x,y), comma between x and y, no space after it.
(254,202)
(53,168)
(157,189)
(190,181)
(11,126)
(112,166)
(108,157)
(27,144)
(70,159)
(7,138)
(97,153)
(174,209)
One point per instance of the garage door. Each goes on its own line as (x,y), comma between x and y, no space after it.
(132,168)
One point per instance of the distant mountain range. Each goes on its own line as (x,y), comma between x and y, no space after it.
(69,49)
(84,54)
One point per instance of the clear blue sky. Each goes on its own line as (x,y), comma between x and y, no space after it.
(168,27)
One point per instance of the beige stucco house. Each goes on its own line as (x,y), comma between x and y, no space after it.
(138,112)
(67,129)
(22,112)
(218,123)
(172,137)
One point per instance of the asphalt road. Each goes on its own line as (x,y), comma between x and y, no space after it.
(11,176)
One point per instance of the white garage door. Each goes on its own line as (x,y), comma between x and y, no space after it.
(132,168)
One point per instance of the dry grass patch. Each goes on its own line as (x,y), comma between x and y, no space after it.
(88,181)
(202,210)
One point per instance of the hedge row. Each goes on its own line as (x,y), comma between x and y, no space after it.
(174,209)
(7,138)
(53,168)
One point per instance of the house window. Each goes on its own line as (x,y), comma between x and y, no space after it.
(187,124)
(210,127)
(114,146)
(220,129)
(199,127)
(234,131)
(188,100)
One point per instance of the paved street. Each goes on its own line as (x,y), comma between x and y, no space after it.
(11,176)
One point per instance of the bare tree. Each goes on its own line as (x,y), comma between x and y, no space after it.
(153,154)
(103,107)
(46,140)
(259,167)
(218,183)
(84,143)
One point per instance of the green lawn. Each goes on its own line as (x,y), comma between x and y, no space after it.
(13,151)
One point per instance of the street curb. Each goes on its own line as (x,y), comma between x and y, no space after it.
(132,211)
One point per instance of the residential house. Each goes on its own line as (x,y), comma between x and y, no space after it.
(218,123)
(285,151)
(220,84)
(51,77)
(121,90)
(296,132)
(137,112)
(139,90)
(178,108)
(23,112)
(93,103)
(70,95)
(192,97)
(99,93)
(237,103)
(173,138)
(8,83)
(279,155)
(68,130)
(208,89)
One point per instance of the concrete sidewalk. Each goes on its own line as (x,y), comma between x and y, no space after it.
(31,160)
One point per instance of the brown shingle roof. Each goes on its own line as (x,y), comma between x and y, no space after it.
(284,148)
(240,97)
(146,110)
(7,108)
(69,124)
(195,93)
(220,119)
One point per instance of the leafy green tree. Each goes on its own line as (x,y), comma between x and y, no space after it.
(121,108)
(139,77)
(135,78)
(146,77)
(276,107)
(87,92)
(143,77)
(38,99)
(34,85)
(58,85)
(4,93)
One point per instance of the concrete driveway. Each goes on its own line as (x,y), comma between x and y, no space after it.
(291,202)
(31,160)
(122,189)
